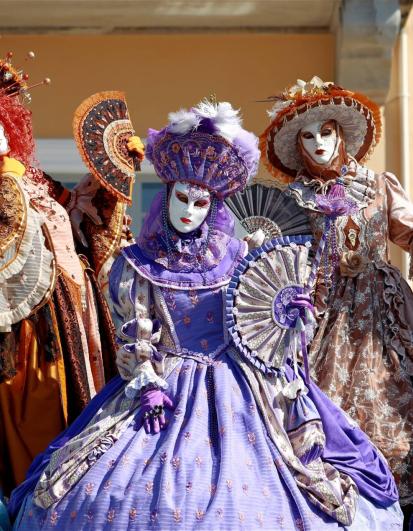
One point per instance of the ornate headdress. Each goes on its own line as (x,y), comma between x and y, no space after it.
(205,145)
(314,101)
(14,116)
(14,81)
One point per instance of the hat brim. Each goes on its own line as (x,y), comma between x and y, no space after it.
(359,118)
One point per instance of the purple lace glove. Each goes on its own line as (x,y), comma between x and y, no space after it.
(302,300)
(152,410)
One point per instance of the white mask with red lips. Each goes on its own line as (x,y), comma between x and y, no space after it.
(319,139)
(4,144)
(188,206)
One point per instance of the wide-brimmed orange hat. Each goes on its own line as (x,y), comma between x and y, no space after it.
(313,101)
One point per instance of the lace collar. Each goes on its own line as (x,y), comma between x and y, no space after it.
(359,187)
(188,254)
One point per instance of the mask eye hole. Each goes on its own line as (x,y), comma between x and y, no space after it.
(202,203)
(327,131)
(307,135)
(182,197)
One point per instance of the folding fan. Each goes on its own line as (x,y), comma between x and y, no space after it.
(265,324)
(269,209)
(101,128)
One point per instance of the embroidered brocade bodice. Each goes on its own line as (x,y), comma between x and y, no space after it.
(197,317)
(365,232)
(189,306)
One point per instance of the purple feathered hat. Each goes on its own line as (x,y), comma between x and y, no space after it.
(205,145)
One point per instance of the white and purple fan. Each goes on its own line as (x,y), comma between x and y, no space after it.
(266,325)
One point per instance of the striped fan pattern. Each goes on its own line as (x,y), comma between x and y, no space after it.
(258,316)
(269,209)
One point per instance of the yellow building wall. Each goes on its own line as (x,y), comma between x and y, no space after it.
(163,72)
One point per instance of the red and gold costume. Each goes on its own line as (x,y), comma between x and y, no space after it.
(56,335)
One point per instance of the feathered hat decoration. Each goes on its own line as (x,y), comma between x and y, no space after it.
(312,101)
(205,145)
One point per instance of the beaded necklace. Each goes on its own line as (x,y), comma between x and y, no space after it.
(171,237)
(334,204)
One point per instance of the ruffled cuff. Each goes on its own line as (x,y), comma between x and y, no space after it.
(294,387)
(143,376)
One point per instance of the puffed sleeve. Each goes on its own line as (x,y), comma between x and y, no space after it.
(136,334)
(27,267)
(400,216)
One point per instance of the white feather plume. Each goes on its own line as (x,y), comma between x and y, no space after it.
(278,107)
(183,121)
(226,120)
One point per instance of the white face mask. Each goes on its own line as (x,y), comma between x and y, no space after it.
(4,145)
(319,139)
(188,207)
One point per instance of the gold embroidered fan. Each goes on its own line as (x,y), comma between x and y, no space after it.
(102,128)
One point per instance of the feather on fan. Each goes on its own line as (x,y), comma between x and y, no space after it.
(269,209)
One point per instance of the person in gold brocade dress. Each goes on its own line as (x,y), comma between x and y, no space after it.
(57,345)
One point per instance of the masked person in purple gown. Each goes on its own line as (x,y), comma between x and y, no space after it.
(190,436)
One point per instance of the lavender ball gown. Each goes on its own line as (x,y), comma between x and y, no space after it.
(221,463)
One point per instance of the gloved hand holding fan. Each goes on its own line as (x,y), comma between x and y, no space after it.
(269,311)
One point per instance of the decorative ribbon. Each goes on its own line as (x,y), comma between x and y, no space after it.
(302,307)
(333,205)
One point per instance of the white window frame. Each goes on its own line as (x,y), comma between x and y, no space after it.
(60,158)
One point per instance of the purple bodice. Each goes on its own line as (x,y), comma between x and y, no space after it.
(197,316)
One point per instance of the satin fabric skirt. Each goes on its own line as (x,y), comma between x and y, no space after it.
(31,405)
(213,468)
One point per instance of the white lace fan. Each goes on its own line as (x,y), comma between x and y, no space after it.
(269,209)
(266,326)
